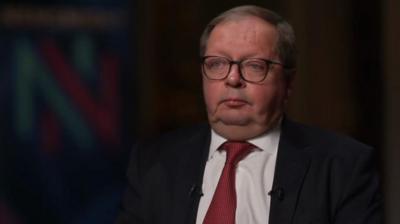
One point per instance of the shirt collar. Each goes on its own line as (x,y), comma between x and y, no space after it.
(267,142)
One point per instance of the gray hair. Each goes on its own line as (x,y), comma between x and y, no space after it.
(286,47)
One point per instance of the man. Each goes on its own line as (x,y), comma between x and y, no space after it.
(250,164)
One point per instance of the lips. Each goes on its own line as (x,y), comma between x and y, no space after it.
(234,102)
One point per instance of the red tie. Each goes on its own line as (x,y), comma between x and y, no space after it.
(222,209)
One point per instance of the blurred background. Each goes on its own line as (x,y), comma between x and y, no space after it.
(82,80)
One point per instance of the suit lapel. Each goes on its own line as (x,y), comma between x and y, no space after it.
(189,177)
(291,167)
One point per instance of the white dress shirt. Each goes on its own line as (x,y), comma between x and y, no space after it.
(254,178)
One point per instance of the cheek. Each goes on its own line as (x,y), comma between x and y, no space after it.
(210,94)
(268,100)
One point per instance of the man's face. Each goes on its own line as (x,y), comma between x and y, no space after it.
(239,110)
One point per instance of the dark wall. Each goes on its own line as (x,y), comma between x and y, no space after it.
(346,81)
(339,66)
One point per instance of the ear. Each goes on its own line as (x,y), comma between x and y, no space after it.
(290,76)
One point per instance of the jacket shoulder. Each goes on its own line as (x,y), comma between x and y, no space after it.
(327,142)
(177,137)
(170,145)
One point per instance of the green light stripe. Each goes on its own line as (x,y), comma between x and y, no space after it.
(70,118)
(83,56)
(24,70)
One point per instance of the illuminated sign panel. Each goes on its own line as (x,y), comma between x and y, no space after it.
(60,82)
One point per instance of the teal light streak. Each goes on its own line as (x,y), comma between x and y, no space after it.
(83,56)
(65,111)
(31,72)
(25,70)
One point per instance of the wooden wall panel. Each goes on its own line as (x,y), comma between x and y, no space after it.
(343,82)
(391,158)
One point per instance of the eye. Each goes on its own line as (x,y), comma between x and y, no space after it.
(255,66)
(215,63)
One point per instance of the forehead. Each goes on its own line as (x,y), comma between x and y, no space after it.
(243,33)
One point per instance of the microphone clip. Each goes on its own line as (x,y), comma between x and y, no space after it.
(195,191)
(277,193)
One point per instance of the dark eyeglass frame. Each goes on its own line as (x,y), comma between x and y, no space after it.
(239,63)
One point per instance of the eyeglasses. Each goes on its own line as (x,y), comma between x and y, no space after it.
(251,69)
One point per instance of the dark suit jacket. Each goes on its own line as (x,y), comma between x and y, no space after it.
(320,177)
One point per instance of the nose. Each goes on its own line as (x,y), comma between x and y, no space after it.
(234,78)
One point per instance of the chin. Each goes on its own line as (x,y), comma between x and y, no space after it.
(242,127)
(234,118)
(238,130)
(235,121)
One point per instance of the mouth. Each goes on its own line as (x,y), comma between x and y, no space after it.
(234,103)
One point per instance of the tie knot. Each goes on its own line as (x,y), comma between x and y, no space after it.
(236,151)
